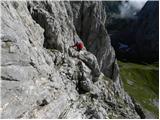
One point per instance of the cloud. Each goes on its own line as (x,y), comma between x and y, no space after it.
(137,4)
(131,7)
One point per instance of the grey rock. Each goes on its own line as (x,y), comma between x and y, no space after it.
(88,58)
(86,85)
(91,61)
(95,38)
(139,109)
(40,73)
(90,27)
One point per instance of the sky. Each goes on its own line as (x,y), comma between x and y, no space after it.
(128,9)
(138,4)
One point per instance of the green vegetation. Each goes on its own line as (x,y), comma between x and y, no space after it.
(142,82)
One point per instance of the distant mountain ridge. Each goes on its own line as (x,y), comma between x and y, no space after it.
(140,33)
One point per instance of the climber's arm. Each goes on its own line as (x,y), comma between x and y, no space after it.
(74,45)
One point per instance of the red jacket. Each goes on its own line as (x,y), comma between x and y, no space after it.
(79,45)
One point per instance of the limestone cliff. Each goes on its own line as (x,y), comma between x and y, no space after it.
(43,77)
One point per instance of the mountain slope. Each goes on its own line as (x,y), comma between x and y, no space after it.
(139,33)
(141,82)
(43,77)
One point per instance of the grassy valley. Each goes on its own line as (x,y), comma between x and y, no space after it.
(142,82)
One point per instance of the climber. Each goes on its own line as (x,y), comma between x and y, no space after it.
(79,45)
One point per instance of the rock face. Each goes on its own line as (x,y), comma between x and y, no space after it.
(147,33)
(89,20)
(42,77)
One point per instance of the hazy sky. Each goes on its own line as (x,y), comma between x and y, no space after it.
(137,3)
(128,9)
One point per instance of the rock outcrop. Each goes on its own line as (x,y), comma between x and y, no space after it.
(42,77)
(89,20)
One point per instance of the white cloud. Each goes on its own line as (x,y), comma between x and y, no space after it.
(138,4)
(129,8)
